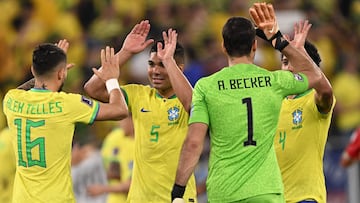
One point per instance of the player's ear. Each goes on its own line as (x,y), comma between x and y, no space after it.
(254,46)
(32,71)
(223,47)
(61,73)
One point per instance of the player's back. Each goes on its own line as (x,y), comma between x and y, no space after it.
(243,103)
(43,123)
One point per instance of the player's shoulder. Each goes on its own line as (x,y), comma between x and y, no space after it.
(136,88)
(15,92)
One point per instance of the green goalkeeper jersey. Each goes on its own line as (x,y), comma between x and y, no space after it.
(241,106)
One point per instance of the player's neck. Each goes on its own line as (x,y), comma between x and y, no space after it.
(166,93)
(46,85)
(291,96)
(238,60)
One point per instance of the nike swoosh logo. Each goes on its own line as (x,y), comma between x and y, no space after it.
(144,110)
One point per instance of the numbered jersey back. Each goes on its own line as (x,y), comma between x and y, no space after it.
(42,125)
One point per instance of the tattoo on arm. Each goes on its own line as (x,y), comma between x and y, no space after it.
(27,85)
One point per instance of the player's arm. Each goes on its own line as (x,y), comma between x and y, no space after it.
(179,82)
(134,43)
(117,108)
(264,18)
(347,160)
(189,157)
(324,97)
(95,190)
(324,93)
(27,85)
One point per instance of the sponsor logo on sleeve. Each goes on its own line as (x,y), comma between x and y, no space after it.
(298,77)
(87,101)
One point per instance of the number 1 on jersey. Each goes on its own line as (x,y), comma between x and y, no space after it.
(250,140)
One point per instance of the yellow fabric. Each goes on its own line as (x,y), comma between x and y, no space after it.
(299,143)
(346,89)
(120,148)
(43,123)
(160,126)
(7,169)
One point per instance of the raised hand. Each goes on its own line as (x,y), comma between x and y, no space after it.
(170,40)
(64,45)
(135,41)
(263,16)
(110,65)
(301,30)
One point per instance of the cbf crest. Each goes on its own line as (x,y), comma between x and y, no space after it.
(173,115)
(297,118)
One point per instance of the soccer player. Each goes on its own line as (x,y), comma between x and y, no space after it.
(118,156)
(160,114)
(87,168)
(303,130)
(351,154)
(43,119)
(240,106)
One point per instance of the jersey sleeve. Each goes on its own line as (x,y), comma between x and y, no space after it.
(131,92)
(353,149)
(291,83)
(81,108)
(199,110)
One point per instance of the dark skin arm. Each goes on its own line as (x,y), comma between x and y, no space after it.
(264,18)
(324,93)
(134,43)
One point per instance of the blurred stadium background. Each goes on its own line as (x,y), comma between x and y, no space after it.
(89,25)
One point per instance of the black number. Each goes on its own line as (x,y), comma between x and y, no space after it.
(250,140)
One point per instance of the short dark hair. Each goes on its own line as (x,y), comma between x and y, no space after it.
(238,35)
(179,54)
(46,57)
(313,52)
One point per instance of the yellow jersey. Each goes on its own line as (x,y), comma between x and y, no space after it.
(160,126)
(300,143)
(117,147)
(42,125)
(7,171)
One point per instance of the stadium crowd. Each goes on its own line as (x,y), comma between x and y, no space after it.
(89,25)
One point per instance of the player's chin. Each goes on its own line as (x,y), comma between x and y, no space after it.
(157,83)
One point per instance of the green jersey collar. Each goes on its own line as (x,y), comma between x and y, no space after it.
(39,90)
(159,96)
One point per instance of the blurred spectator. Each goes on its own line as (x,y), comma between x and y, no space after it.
(351,154)
(87,168)
(117,152)
(346,84)
(89,24)
(8,166)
